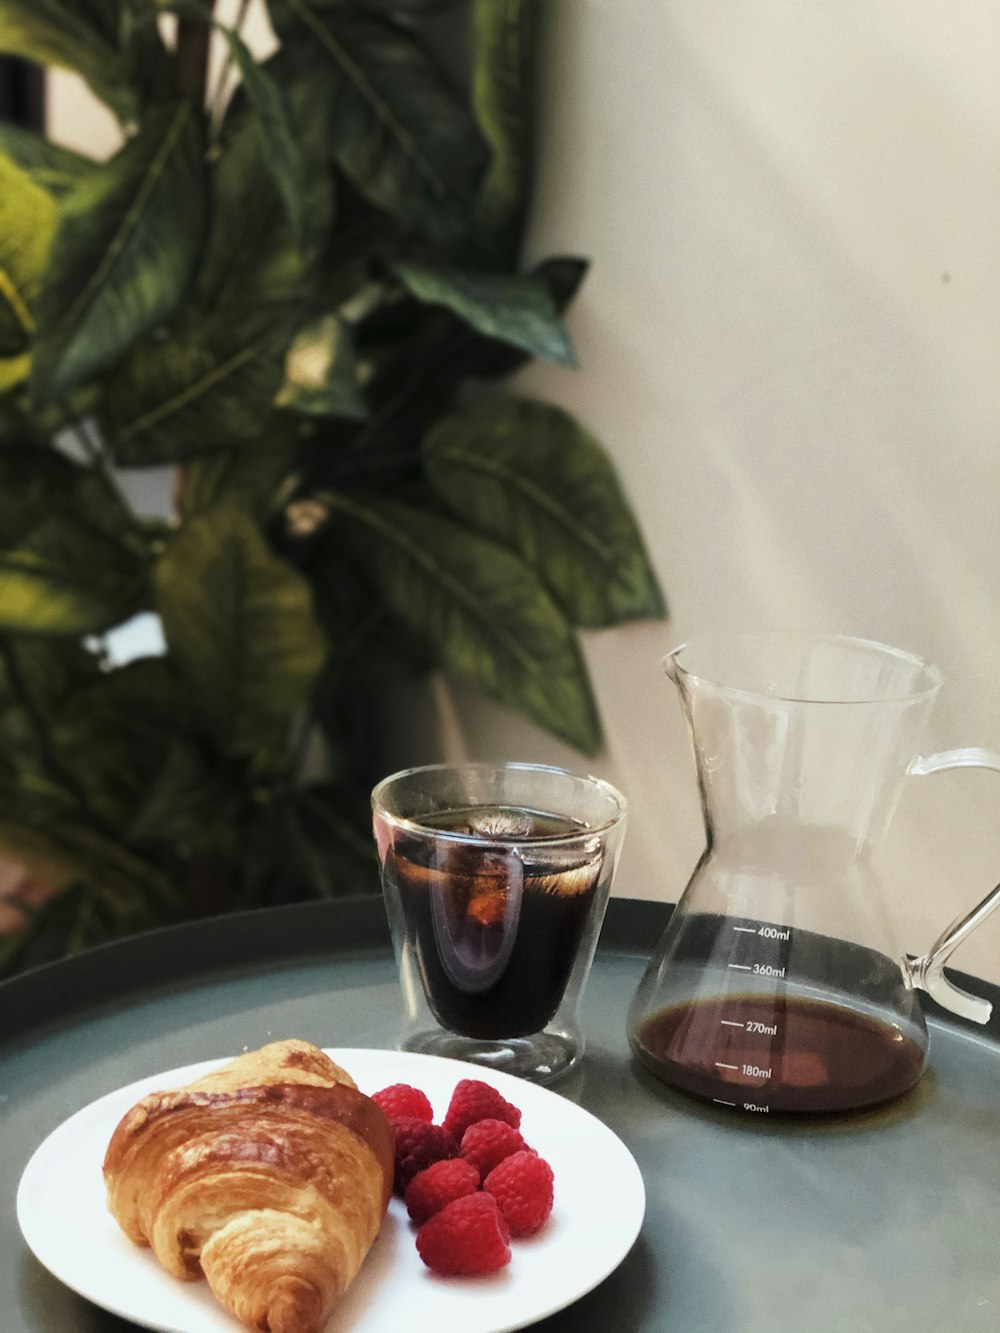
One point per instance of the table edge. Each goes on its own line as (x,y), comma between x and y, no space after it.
(174,954)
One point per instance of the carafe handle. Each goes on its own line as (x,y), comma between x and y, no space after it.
(928,972)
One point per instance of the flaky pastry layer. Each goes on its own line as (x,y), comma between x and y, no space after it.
(270,1177)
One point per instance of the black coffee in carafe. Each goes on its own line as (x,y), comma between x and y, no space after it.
(771,1053)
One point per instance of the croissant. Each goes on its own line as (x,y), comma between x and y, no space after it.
(270,1177)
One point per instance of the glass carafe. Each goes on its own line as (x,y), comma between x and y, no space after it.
(779,985)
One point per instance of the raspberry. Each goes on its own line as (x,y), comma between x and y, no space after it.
(467,1238)
(522,1186)
(441,1182)
(400,1100)
(418,1144)
(486,1143)
(473,1100)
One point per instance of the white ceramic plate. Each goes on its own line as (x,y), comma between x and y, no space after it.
(599,1205)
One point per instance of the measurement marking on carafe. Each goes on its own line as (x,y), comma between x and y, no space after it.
(765,1029)
(741,967)
(766,970)
(747,930)
(722,1103)
(722,1065)
(730,1023)
(755,1071)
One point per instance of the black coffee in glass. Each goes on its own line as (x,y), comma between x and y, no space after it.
(497,911)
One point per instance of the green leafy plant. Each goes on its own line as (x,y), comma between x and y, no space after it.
(302,297)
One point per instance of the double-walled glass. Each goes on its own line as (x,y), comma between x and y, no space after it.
(496,879)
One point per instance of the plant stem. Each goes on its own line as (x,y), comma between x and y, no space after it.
(194,38)
(194,41)
(323,693)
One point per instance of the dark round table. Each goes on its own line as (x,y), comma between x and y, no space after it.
(886,1221)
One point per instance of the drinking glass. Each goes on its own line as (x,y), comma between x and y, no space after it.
(496,879)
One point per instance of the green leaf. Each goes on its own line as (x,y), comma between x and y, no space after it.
(503,96)
(27,223)
(240,628)
(38,482)
(15,425)
(530,476)
(488,619)
(64,848)
(330,842)
(434,371)
(14,370)
(369,649)
(148,65)
(114,732)
(186,804)
(102,16)
(248,476)
(124,251)
(65,578)
(37,676)
(283,155)
(51,167)
(204,385)
(71,35)
(321,373)
(511,307)
(400,133)
(31,477)
(253,257)
(40,673)
(211,379)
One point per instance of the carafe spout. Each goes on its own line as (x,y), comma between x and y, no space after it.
(669,663)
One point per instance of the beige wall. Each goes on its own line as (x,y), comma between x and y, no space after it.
(790,343)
